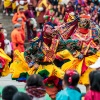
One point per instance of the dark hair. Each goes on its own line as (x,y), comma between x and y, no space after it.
(73,76)
(94,78)
(35,80)
(21,96)
(8,92)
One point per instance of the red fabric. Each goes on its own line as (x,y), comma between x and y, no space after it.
(84,67)
(83,30)
(2,41)
(92,95)
(69,9)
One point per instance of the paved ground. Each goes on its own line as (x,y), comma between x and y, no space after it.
(7,80)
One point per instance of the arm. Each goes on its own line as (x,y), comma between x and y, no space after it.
(19,39)
(14,19)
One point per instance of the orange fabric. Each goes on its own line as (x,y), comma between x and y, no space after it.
(17,40)
(23,30)
(18,15)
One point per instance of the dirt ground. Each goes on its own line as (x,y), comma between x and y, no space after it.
(6,21)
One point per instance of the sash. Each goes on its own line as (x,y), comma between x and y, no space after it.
(50,51)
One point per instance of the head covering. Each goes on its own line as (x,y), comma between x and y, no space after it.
(17,25)
(21,7)
(85,16)
(96,64)
(19,19)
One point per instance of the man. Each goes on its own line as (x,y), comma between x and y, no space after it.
(19,14)
(17,38)
(8,92)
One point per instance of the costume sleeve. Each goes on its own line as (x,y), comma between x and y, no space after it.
(19,39)
(14,19)
(87,97)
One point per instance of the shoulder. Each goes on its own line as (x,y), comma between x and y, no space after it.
(88,95)
(62,95)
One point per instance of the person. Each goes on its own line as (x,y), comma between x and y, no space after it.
(19,14)
(21,96)
(69,91)
(94,92)
(2,44)
(8,92)
(35,87)
(17,38)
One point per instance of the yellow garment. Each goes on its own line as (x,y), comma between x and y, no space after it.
(19,65)
(43,2)
(8,59)
(7,3)
(65,54)
(52,69)
(84,79)
(14,5)
(75,64)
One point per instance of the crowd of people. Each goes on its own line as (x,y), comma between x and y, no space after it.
(63,50)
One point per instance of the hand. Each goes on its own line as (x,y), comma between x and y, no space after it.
(0,44)
(36,66)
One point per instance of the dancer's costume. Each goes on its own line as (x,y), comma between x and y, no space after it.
(4,63)
(87,54)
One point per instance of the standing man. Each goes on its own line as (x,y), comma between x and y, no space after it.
(17,38)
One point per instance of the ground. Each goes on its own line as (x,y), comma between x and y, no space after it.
(6,21)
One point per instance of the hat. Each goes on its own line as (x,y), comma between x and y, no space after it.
(17,25)
(96,64)
(85,16)
(19,19)
(21,7)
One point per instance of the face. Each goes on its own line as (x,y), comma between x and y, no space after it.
(21,10)
(60,17)
(19,28)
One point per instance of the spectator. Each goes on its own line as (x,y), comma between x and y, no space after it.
(19,14)
(8,92)
(70,90)
(21,96)
(2,44)
(94,92)
(35,87)
(17,38)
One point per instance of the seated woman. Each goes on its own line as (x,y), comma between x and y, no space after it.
(35,88)
(70,91)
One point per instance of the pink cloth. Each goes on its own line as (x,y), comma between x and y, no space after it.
(92,95)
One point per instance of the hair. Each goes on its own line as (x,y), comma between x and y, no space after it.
(35,80)
(21,96)
(74,78)
(8,92)
(94,78)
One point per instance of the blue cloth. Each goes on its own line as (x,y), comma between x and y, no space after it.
(68,94)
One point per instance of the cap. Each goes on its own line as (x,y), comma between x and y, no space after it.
(21,7)
(96,64)
(85,16)
(17,25)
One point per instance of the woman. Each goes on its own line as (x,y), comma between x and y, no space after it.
(94,92)
(35,87)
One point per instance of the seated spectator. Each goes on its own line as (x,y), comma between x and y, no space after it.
(35,87)
(8,92)
(70,91)
(94,92)
(21,96)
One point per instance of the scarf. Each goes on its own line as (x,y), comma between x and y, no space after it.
(34,91)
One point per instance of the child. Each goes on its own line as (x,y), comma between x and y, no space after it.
(21,96)
(94,92)
(70,92)
(35,87)
(8,92)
